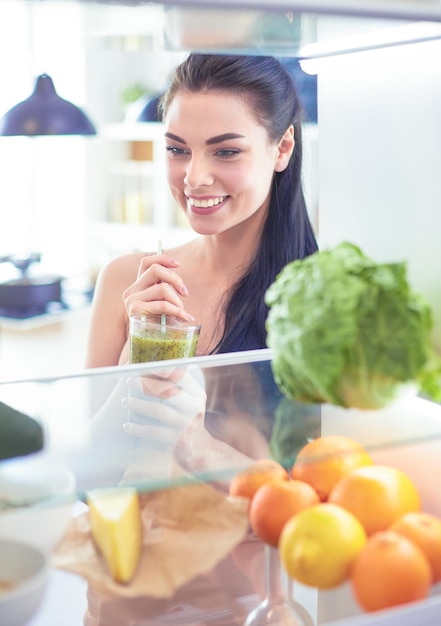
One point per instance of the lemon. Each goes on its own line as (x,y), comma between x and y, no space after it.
(115,519)
(319,545)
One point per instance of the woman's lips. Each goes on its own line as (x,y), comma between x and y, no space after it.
(206,206)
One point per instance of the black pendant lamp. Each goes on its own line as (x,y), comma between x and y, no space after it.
(150,111)
(45,113)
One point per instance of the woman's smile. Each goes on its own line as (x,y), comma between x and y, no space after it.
(206,206)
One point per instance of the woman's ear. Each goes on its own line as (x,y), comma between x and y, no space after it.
(284,150)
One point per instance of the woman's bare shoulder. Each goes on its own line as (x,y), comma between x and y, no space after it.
(122,270)
(126,262)
(126,266)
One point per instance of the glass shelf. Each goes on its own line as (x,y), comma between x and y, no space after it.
(251,26)
(227,413)
(296,30)
(403,9)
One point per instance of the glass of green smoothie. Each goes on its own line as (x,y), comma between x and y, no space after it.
(156,339)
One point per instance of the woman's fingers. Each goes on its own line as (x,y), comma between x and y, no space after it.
(157,289)
(163,413)
(159,388)
(154,433)
(161,384)
(158,269)
(155,292)
(173,408)
(169,382)
(150,417)
(193,382)
(146,306)
(157,259)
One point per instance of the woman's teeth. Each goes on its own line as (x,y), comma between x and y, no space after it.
(205,204)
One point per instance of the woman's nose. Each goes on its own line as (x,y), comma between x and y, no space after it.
(198,173)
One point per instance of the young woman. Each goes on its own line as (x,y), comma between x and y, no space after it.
(234,158)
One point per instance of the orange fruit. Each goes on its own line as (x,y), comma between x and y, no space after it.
(389,571)
(246,482)
(425,531)
(319,545)
(323,461)
(275,503)
(377,495)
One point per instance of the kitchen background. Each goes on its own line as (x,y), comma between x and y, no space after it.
(373,171)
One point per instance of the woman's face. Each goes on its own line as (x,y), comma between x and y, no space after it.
(220,161)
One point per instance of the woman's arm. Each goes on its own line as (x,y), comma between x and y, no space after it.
(132,284)
(108,329)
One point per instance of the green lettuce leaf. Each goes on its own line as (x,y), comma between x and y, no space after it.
(349,331)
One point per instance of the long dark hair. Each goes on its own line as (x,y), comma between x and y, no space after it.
(268,88)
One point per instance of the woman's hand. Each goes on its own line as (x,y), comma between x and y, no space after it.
(157,289)
(162,405)
(197,451)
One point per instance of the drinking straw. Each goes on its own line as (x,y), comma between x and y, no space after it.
(163,316)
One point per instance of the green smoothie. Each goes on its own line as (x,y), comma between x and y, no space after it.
(159,345)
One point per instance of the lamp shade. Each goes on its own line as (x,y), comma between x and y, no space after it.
(150,111)
(45,113)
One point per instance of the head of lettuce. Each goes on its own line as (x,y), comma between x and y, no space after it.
(348,331)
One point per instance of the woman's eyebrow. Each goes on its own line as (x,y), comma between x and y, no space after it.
(224,137)
(174,137)
(209,142)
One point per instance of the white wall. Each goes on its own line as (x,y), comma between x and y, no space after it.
(380,160)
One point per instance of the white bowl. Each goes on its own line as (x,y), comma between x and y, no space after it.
(36,499)
(24,574)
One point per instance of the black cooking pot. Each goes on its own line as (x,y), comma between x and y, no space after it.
(26,293)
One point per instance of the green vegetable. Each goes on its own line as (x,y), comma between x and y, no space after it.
(348,331)
(19,434)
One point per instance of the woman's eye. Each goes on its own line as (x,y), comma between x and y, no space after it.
(175,150)
(226,154)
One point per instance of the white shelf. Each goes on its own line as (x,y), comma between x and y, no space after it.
(41,321)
